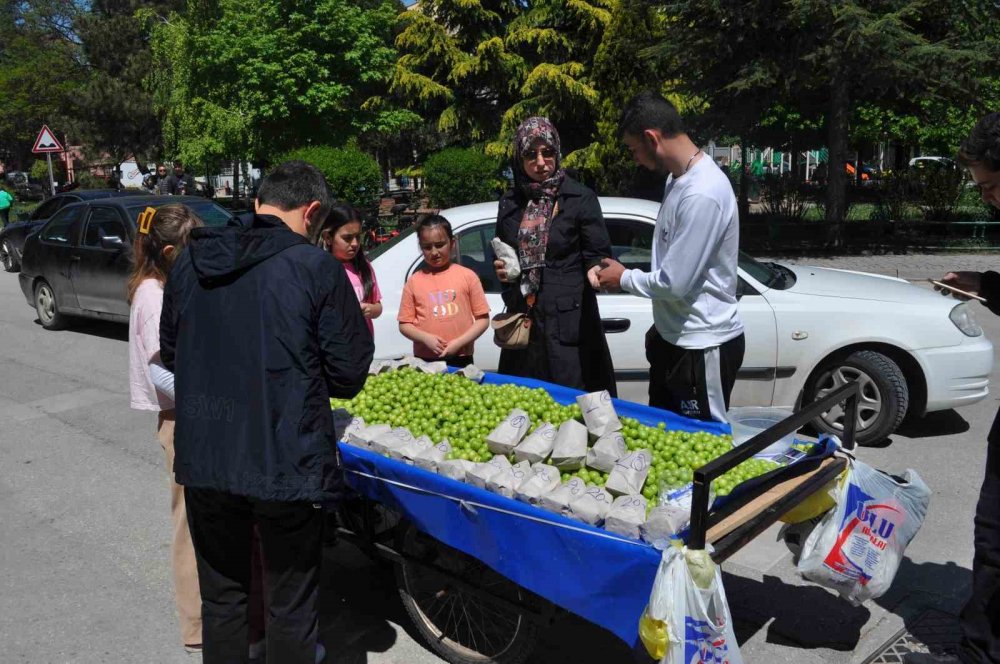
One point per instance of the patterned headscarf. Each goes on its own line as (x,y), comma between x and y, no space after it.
(533,234)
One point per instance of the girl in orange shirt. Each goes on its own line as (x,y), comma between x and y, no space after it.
(443,309)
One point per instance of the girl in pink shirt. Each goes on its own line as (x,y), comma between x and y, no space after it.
(340,234)
(162,233)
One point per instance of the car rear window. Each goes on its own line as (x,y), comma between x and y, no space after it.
(210,213)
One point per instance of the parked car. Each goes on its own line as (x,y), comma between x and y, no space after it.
(13,235)
(79,261)
(923,163)
(24,188)
(808,330)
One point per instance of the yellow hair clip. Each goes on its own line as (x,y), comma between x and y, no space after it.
(146,220)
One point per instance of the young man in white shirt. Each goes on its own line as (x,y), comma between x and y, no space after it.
(696,344)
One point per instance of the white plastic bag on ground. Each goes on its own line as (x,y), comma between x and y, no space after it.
(481,473)
(592,506)
(857,547)
(629,473)
(538,444)
(559,499)
(688,596)
(569,450)
(626,516)
(509,433)
(430,458)
(599,413)
(509,479)
(544,478)
(606,451)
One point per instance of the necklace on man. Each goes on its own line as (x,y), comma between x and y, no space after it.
(688,165)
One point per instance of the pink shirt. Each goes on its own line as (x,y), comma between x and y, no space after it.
(143,344)
(359,290)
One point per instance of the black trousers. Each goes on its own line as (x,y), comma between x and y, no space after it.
(291,537)
(5,215)
(457,361)
(693,382)
(981,615)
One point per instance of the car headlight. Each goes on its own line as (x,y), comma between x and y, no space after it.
(965,320)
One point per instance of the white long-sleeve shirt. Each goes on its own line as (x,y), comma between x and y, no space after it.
(693,275)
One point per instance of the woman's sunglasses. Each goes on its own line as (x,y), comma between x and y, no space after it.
(547,153)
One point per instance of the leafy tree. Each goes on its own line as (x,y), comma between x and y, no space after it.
(353,175)
(459,176)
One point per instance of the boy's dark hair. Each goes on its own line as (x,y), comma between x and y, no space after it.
(982,147)
(433,220)
(178,164)
(649,110)
(294,184)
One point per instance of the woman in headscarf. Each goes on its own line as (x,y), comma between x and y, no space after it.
(556,227)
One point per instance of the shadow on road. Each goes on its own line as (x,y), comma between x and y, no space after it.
(940,423)
(96,328)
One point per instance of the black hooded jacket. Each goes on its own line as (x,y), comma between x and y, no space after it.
(261,329)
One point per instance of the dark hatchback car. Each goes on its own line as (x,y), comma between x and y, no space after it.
(13,235)
(79,262)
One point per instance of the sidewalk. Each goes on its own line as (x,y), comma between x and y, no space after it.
(912,267)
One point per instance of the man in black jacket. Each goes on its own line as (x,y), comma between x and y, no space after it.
(980,153)
(179,183)
(261,328)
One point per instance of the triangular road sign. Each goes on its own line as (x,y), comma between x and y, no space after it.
(46,142)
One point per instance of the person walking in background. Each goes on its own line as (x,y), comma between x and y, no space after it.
(557,228)
(443,309)
(6,201)
(340,234)
(261,329)
(162,234)
(980,618)
(696,344)
(178,183)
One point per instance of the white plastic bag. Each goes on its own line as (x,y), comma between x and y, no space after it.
(606,451)
(431,457)
(569,450)
(629,473)
(688,596)
(857,547)
(544,478)
(537,446)
(599,413)
(509,432)
(506,253)
(558,499)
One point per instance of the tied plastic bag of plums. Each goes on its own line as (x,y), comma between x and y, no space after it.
(412,449)
(365,436)
(598,413)
(509,433)
(456,469)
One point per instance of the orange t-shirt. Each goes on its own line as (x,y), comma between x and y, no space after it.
(444,303)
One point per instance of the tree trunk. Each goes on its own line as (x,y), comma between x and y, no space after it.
(744,202)
(236,184)
(837,134)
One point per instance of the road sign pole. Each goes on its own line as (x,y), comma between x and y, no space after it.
(52,182)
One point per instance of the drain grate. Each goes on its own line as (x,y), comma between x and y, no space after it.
(933,631)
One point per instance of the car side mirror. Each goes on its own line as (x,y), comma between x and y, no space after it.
(112,242)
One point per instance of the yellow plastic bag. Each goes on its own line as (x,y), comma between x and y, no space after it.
(819,503)
(654,635)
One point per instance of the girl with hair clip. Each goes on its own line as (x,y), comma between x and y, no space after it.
(162,234)
(340,234)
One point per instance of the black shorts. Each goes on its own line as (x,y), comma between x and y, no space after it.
(693,382)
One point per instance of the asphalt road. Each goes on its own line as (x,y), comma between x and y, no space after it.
(85,537)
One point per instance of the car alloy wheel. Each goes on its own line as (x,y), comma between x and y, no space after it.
(46,307)
(7,257)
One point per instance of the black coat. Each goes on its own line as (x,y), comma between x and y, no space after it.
(568,346)
(261,329)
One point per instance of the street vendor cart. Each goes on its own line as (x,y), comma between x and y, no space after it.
(480,573)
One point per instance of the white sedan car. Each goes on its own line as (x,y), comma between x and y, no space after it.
(808,330)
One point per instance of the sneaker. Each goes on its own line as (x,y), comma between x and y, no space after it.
(193,648)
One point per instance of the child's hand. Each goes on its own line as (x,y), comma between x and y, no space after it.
(451,349)
(437,345)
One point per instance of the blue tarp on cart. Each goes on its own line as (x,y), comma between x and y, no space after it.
(600,576)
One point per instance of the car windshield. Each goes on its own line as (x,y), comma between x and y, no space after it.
(209,212)
(770,274)
(378,250)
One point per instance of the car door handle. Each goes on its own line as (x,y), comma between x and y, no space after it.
(615,325)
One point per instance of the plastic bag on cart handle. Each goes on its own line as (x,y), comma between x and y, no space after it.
(687,620)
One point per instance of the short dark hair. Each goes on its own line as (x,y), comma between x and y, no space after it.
(432,220)
(295,184)
(982,147)
(649,110)
(178,164)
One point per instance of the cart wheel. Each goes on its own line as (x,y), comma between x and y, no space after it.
(462,627)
